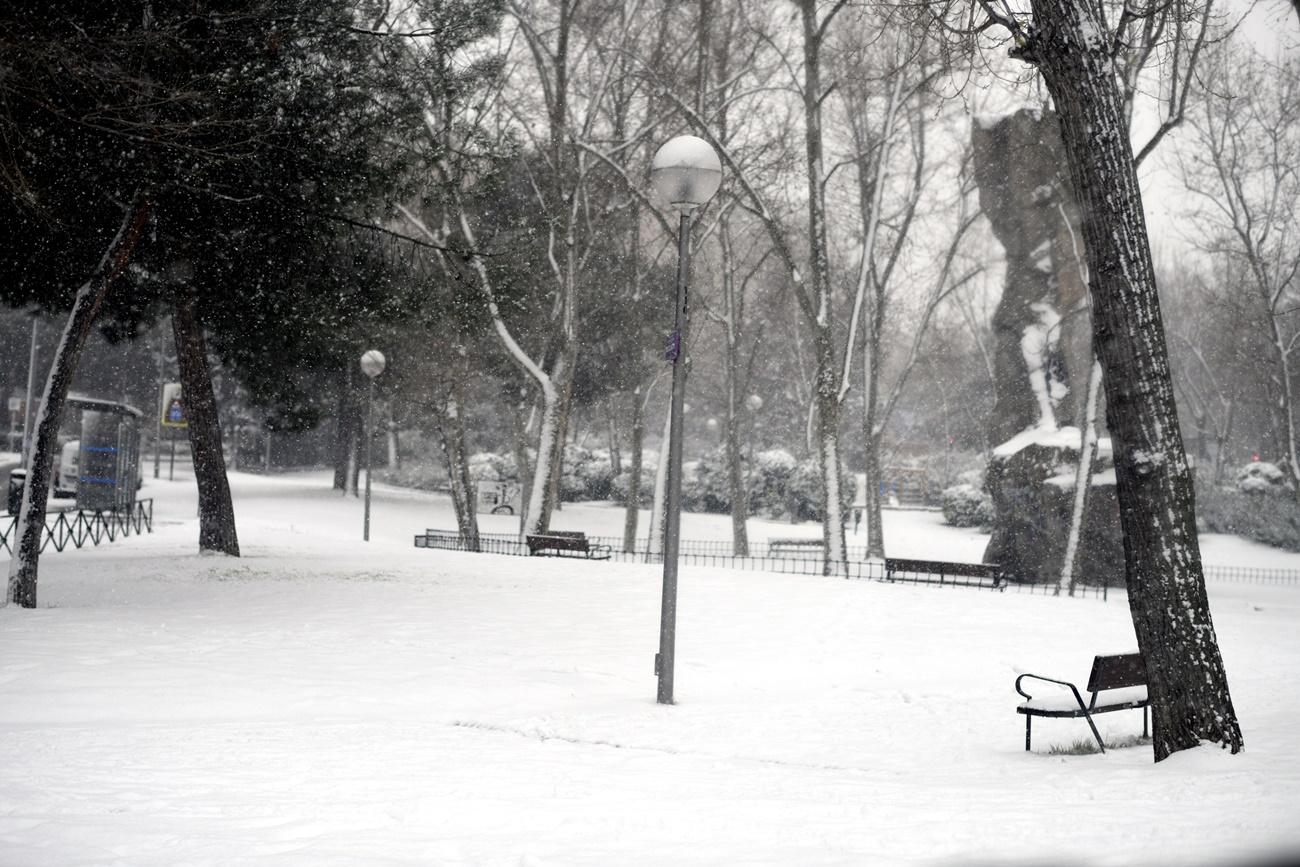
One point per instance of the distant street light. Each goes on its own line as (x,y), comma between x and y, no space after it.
(372,364)
(686,172)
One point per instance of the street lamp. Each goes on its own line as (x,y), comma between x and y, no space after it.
(372,364)
(686,172)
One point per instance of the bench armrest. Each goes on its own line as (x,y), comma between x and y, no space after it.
(1074,689)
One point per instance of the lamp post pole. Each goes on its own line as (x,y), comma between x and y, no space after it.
(673,516)
(372,364)
(686,172)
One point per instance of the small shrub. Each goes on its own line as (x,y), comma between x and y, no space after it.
(587,474)
(769,478)
(705,485)
(1262,477)
(965,505)
(487,466)
(421,475)
(623,481)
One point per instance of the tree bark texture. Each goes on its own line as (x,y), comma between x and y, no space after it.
(216,510)
(1188,686)
(24,566)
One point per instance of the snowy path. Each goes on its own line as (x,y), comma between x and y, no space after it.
(321,702)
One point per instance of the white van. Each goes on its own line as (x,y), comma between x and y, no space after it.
(65,481)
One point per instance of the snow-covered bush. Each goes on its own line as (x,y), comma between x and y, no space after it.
(1262,477)
(587,474)
(974,478)
(965,505)
(624,480)
(704,484)
(488,467)
(423,475)
(1228,510)
(769,481)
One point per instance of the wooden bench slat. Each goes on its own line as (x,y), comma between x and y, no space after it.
(560,541)
(1114,672)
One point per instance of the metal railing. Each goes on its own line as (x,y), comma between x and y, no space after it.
(82,526)
(715,554)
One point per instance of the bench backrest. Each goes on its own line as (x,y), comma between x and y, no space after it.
(557,542)
(1117,672)
(939,567)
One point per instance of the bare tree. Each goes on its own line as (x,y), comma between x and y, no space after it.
(1073,47)
(884,85)
(1243,165)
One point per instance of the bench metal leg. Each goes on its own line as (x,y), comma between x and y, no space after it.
(1144,722)
(1095,733)
(1028,721)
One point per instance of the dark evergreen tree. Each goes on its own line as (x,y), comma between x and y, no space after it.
(238,137)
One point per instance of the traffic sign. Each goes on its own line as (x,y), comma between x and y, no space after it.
(173,406)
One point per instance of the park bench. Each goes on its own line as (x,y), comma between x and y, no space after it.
(990,572)
(1123,679)
(779,547)
(566,543)
(437,539)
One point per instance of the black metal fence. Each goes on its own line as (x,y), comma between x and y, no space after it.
(84,526)
(716,554)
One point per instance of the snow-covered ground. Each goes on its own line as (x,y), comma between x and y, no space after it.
(321,701)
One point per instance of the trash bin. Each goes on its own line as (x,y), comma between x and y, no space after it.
(17,481)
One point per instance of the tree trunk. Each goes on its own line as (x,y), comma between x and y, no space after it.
(23,567)
(346,423)
(544,488)
(615,452)
(1187,684)
(451,430)
(732,320)
(736,482)
(828,452)
(522,471)
(1082,481)
(872,509)
(825,381)
(354,462)
(394,450)
(216,511)
(633,503)
(555,492)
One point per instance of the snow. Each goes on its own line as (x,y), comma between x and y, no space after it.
(1067,437)
(1052,696)
(322,701)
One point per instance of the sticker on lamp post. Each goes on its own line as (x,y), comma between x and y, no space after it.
(674,346)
